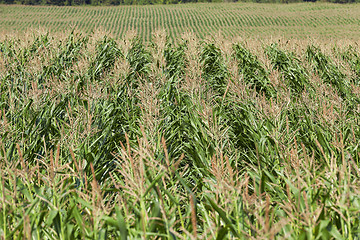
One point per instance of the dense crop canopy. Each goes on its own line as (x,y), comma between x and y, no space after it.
(102,138)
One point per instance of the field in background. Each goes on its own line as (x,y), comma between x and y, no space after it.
(301,20)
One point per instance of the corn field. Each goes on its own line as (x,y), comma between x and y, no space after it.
(300,20)
(210,139)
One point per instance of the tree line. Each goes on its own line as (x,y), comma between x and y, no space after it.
(147,2)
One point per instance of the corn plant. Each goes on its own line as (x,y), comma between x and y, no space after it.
(106,54)
(295,76)
(351,56)
(107,139)
(252,71)
(214,71)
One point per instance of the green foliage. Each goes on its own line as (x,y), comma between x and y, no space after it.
(332,74)
(68,55)
(102,139)
(139,59)
(106,55)
(295,76)
(352,57)
(214,71)
(252,71)
(148,2)
(329,72)
(175,60)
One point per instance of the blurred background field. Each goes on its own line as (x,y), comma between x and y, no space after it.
(298,20)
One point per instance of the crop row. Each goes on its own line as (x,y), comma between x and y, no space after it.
(118,139)
(203,19)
